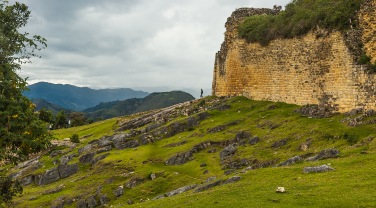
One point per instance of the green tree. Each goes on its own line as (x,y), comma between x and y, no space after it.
(21,131)
(77,119)
(61,120)
(46,115)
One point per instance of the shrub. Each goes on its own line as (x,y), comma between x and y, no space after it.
(75,138)
(298,18)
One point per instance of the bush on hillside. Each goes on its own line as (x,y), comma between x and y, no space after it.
(298,18)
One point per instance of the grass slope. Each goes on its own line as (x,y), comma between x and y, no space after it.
(349,185)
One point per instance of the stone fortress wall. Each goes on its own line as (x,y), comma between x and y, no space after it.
(319,68)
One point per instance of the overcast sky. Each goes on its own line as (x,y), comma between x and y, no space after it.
(130,43)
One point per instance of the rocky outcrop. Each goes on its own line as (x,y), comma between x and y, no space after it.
(291,161)
(317,169)
(325,154)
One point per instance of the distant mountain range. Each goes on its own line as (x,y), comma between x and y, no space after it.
(135,105)
(78,98)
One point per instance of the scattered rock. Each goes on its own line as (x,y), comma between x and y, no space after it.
(84,149)
(67,158)
(254,140)
(130,202)
(217,129)
(279,143)
(228,172)
(67,170)
(227,152)
(58,203)
(153,176)
(210,179)
(100,157)
(180,158)
(316,111)
(281,190)
(328,153)
(56,153)
(134,182)
(241,137)
(119,191)
(212,150)
(232,179)
(176,191)
(318,169)
(27,180)
(176,144)
(103,199)
(91,202)
(206,172)
(82,204)
(87,158)
(104,149)
(49,176)
(291,161)
(54,190)
(208,186)
(203,165)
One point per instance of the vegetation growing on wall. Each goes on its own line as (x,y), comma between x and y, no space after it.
(298,18)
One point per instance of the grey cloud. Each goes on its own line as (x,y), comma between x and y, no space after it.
(130,43)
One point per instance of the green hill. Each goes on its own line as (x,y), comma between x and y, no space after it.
(78,98)
(213,152)
(136,105)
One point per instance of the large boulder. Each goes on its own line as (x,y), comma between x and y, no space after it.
(328,153)
(291,161)
(49,176)
(180,158)
(67,170)
(317,169)
(87,158)
(227,152)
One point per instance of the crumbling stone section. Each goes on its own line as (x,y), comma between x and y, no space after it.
(319,68)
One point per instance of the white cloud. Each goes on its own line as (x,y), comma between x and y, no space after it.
(130,43)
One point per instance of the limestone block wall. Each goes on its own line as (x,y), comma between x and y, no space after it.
(318,68)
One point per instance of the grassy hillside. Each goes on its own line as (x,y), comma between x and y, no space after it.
(205,128)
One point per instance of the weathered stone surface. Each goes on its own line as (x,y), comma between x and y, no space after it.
(180,158)
(58,203)
(66,158)
(103,199)
(291,161)
(232,179)
(104,149)
(54,190)
(208,186)
(91,202)
(318,68)
(67,170)
(325,154)
(56,153)
(119,191)
(122,144)
(176,191)
(100,157)
(279,144)
(254,140)
(82,204)
(241,137)
(87,158)
(27,180)
(134,182)
(227,151)
(84,149)
(281,190)
(317,169)
(49,176)
(217,129)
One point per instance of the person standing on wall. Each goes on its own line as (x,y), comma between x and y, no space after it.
(202,92)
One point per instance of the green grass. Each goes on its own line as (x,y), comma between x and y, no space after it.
(348,186)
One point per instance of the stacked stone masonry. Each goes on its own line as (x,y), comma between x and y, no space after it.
(318,68)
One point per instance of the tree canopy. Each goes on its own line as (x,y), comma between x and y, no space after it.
(21,131)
